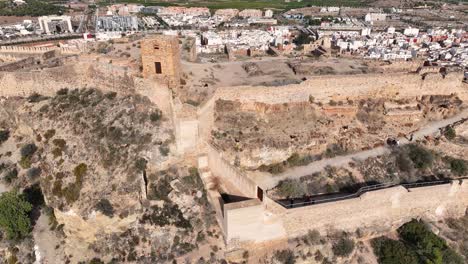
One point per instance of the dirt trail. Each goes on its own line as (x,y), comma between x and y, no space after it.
(269,181)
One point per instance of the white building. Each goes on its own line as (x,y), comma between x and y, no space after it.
(371,17)
(390,30)
(55,24)
(268,13)
(411,32)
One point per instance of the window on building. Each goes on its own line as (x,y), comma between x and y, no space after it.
(156,46)
(157,66)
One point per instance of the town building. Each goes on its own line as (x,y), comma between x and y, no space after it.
(116,23)
(371,17)
(268,13)
(246,13)
(55,24)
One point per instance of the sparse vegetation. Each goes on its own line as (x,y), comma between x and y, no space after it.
(343,247)
(285,256)
(420,156)
(290,188)
(105,207)
(449,133)
(4,135)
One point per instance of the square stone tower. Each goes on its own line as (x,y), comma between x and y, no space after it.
(160,56)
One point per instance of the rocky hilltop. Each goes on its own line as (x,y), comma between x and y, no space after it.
(103,163)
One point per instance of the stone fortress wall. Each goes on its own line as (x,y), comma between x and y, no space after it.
(255,221)
(381,210)
(338,87)
(78,73)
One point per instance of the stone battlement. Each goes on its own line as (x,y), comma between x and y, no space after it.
(37,50)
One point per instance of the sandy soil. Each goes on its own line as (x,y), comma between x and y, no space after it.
(46,241)
(202,79)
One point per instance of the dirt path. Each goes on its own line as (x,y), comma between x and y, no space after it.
(267,181)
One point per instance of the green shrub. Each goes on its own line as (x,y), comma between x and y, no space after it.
(79,172)
(421,157)
(35,97)
(60,143)
(285,256)
(25,162)
(14,219)
(4,135)
(403,162)
(291,188)
(312,237)
(343,247)
(450,133)
(71,193)
(164,150)
(49,134)
(28,150)
(105,207)
(140,164)
(63,91)
(459,167)
(11,175)
(155,116)
(33,173)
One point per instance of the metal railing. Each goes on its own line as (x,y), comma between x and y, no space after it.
(359,192)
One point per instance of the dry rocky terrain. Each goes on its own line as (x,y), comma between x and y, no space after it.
(265,136)
(111,188)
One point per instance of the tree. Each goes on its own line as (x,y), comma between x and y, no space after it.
(14,219)
(391,251)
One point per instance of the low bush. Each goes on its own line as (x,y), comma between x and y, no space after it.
(33,173)
(285,256)
(290,188)
(105,207)
(450,133)
(420,156)
(459,167)
(28,150)
(4,135)
(343,247)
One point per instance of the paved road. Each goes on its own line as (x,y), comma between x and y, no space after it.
(270,181)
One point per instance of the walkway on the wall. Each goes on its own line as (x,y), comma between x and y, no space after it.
(311,200)
(267,181)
